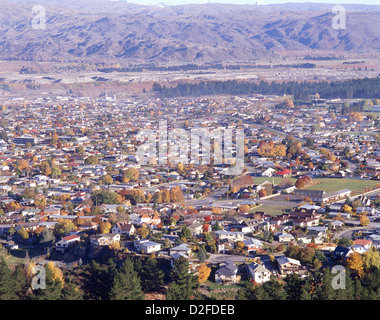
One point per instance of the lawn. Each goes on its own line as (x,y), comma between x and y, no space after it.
(18,256)
(327,184)
(335,184)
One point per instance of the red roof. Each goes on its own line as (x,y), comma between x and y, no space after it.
(71,237)
(283,172)
(362,242)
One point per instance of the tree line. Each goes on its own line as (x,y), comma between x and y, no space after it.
(348,89)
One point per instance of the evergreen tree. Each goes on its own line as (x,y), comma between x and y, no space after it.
(325,291)
(293,286)
(274,289)
(71,291)
(256,292)
(183,282)
(20,281)
(126,284)
(99,279)
(7,290)
(153,276)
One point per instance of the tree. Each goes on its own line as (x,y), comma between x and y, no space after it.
(23,233)
(293,286)
(45,168)
(104,227)
(364,221)
(143,231)
(55,172)
(183,283)
(107,179)
(63,227)
(274,289)
(325,291)
(46,236)
(71,291)
(131,174)
(346,208)
(355,262)
(126,284)
(244,208)
(203,272)
(53,284)
(7,291)
(371,258)
(153,276)
(91,160)
(185,233)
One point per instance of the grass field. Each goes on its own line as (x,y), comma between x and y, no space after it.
(328,184)
(18,256)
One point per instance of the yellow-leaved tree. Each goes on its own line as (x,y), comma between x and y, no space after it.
(356,264)
(203,272)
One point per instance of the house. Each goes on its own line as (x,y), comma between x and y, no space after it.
(104,239)
(306,222)
(225,245)
(284,237)
(183,248)
(196,228)
(253,245)
(65,242)
(344,215)
(147,246)
(268,172)
(123,228)
(232,235)
(283,173)
(357,248)
(287,265)
(227,274)
(340,253)
(4,227)
(258,272)
(363,242)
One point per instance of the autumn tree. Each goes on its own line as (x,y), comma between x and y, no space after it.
(104,227)
(63,227)
(355,263)
(131,174)
(107,179)
(203,272)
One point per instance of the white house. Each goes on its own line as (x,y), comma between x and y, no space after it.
(123,228)
(66,242)
(258,272)
(147,246)
(104,239)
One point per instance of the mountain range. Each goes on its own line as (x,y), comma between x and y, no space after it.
(118,31)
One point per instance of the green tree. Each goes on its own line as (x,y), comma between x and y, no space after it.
(7,289)
(153,276)
(183,283)
(126,284)
(293,286)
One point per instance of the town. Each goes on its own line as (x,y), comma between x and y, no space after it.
(76,198)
